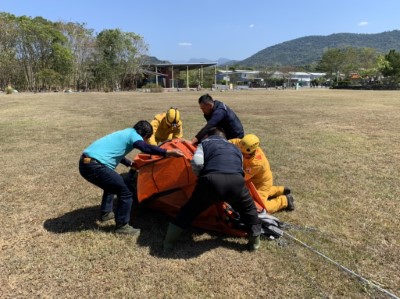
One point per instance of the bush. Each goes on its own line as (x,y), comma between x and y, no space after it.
(344,83)
(9,90)
(153,87)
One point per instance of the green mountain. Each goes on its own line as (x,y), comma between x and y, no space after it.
(153,60)
(307,50)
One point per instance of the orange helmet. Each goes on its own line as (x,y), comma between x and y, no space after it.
(172,116)
(249,144)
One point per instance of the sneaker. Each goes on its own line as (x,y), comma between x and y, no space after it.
(126,230)
(290,202)
(286,190)
(105,216)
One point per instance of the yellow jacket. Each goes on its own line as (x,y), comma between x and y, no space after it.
(162,131)
(258,171)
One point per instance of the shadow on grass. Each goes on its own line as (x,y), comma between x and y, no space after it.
(153,226)
(76,221)
(192,243)
(186,247)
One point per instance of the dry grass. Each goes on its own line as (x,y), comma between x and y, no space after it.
(338,150)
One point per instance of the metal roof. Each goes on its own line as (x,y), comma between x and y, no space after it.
(183,66)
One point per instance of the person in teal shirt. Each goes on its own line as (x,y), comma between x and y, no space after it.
(98,162)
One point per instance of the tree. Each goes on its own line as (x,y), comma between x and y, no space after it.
(133,58)
(391,68)
(369,63)
(118,55)
(40,45)
(269,79)
(332,62)
(81,43)
(9,70)
(49,78)
(363,61)
(38,54)
(62,63)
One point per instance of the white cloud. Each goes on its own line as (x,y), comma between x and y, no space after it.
(252,26)
(185,44)
(364,23)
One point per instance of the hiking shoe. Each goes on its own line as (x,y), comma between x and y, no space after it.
(105,216)
(126,230)
(254,243)
(286,190)
(290,202)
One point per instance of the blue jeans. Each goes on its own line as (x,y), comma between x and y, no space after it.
(112,183)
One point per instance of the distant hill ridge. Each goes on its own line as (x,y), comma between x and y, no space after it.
(307,50)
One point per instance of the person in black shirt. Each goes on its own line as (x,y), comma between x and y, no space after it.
(218,164)
(220,115)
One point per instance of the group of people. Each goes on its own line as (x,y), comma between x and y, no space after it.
(224,160)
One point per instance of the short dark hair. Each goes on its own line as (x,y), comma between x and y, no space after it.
(206,98)
(216,131)
(143,128)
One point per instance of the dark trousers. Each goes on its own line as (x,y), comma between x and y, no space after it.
(112,183)
(216,187)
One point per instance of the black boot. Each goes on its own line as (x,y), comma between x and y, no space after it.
(286,190)
(290,202)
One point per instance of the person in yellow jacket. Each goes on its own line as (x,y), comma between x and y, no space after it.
(166,126)
(257,169)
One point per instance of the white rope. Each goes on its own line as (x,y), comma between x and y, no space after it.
(342,267)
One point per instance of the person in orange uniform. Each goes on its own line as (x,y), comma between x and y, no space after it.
(166,126)
(257,170)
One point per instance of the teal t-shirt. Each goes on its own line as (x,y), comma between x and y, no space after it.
(110,149)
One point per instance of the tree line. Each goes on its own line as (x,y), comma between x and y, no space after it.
(366,63)
(343,67)
(37,54)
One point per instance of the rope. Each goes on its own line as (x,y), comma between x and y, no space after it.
(342,267)
(295,259)
(287,226)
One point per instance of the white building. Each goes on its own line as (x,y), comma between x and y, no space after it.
(303,78)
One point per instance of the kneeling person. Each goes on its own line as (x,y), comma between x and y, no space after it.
(218,164)
(257,170)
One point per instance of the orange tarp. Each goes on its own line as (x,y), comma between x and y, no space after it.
(166,184)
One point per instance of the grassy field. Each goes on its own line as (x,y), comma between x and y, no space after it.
(339,151)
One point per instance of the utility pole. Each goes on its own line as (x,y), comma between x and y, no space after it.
(226,77)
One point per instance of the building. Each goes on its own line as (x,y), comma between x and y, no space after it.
(240,78)
(303,79)
(167,74)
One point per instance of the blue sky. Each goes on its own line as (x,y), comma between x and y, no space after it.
(178,30)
